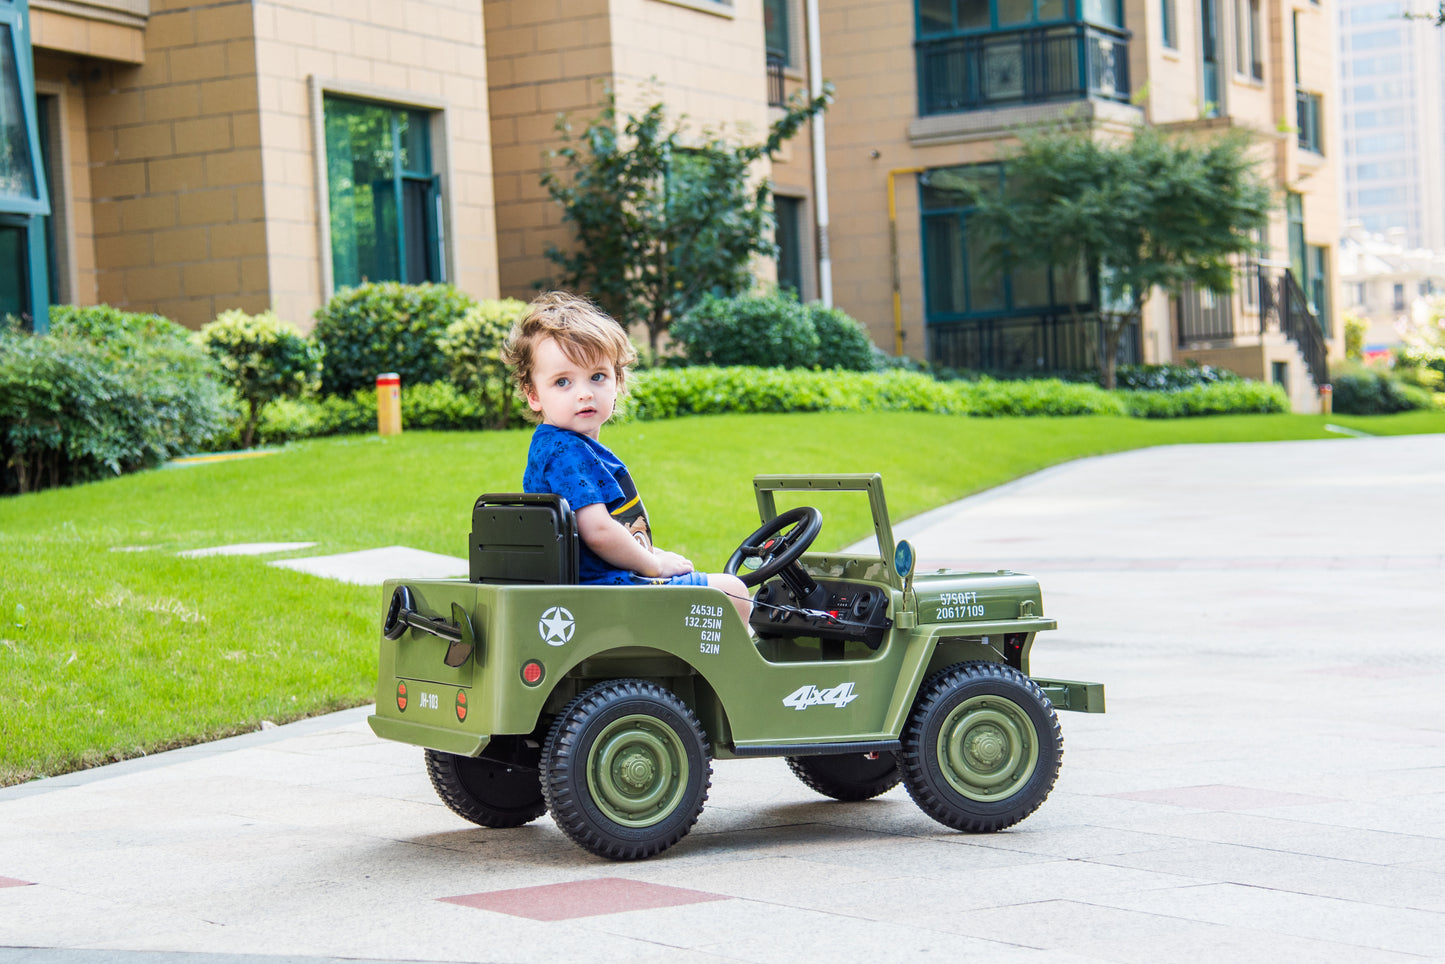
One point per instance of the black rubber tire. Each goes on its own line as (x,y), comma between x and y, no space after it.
(626,769)
(848,776)
(1001,755)
(485,792)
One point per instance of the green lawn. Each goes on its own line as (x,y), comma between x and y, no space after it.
(111,646)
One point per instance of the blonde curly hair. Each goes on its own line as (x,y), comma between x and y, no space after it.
(583,331)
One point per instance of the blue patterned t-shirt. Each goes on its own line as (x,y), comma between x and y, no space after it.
(584,471)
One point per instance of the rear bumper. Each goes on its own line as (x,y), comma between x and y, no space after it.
(448,740)
(1072,695)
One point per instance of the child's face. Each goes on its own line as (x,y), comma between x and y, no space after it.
(569,395)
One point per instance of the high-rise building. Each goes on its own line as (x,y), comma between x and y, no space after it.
(1392,114)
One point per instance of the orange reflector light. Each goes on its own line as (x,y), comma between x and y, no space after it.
(532,672)
(461,706)
(401,696)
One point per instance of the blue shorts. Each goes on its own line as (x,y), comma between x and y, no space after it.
(693,578)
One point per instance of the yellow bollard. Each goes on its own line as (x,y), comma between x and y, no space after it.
(388,403)
(1327,399)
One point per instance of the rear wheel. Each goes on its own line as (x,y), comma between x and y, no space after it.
(848,776)
(486,792)
(626,769)
(981,748)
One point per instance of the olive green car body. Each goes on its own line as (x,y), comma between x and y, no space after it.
(536,647)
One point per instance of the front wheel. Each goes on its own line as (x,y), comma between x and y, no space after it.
(486,792)
(626,769)
(848,776)
(981,748)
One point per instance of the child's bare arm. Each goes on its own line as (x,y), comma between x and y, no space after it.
(610,539)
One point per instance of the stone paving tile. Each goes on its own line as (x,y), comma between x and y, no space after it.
(1346,922)
(1135,937)
(1300,873)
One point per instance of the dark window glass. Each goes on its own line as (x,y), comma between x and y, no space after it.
(13,271)
(775,29)
(935,16)
(789,237)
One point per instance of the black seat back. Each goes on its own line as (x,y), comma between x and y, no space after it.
(523,538)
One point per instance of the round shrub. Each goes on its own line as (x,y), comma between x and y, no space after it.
(766,331)
(842,342)
(1361,391)
(264,358)
(385,327)
(472,346)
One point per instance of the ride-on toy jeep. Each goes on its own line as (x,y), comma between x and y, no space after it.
(607,704)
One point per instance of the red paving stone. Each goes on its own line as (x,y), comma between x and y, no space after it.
(1222,797)
(12,882)
(582,898)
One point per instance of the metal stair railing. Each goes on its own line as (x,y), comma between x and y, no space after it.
(1302,326)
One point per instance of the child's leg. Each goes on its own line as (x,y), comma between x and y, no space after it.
(737,592)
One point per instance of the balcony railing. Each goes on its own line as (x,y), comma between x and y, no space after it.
(1309,113)
(1028,66)
(777,88)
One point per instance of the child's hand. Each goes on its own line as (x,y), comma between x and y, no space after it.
(670,564)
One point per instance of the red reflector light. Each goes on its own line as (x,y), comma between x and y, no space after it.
(401,696)
(532,672)
(461,706)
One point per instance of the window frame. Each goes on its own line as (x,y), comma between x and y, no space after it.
(15,14)
(319,88)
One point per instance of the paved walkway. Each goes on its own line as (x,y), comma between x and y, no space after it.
(1268,784)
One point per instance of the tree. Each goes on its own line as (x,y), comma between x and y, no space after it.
(662,218)
(1150,212)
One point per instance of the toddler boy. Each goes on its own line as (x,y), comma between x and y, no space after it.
(570,360)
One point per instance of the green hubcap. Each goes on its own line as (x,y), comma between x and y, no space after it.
(637,771)
(987,749)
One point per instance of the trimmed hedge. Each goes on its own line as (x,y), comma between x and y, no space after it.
(668,393)
(1363,391)
(773,330)
(103,392)
(385,327)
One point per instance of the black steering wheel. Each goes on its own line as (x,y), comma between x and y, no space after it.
(776,545)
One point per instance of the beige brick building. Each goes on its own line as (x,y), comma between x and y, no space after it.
(261,153)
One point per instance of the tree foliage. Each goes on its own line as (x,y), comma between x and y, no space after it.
(1150,212)
(662,217)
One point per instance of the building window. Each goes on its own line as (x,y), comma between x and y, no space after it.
(24,201)
(1309,114)
(1399,302)
(1166,24)
(1319,286)
(1294,206)
(384,197)
(979,54)
(788,212)
(1209,56)
(1248,51)
(777,34)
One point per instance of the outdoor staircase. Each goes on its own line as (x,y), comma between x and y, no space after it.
(1266,322)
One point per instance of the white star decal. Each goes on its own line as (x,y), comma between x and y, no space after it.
(556,626)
